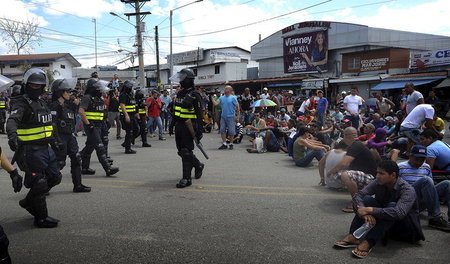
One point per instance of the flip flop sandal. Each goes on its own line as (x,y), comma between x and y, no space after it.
(361,250)
(347,244)
(347,210)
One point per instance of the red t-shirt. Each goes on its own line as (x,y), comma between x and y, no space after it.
(154,107)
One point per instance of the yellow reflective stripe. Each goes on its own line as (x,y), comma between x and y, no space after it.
(184,110)
(187,116)
(29,134)
(95,115)
(129,108)
(141,111)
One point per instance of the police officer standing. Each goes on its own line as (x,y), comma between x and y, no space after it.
(93,113)
(30,132)
(141,109)
(187,115)
(3,108)
(64,122)
(128,115)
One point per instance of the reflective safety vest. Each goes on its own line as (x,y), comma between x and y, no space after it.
(37,133)
(2,103)
(142,111)
(96,110)
(129,108)
(184,112)
(36,124)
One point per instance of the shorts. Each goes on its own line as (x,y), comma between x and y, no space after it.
(228,125)
(362,179)
(411,133)
(273,145)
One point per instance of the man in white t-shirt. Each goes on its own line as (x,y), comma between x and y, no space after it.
(352,105)
(421,115)
(414,98)
(265,93)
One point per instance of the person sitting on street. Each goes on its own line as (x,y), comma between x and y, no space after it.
(393,211)
(257,124)
(239,133)
(378,144)
(438,152)
(368,133)
(418,174)
(270,142)
(306,149)
(390,125)
(377,121)
(358,166)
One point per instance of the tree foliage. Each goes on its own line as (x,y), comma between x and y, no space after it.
(20,36)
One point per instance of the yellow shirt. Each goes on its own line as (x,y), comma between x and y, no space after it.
(439,124)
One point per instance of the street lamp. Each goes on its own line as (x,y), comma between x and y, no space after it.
(171,58)
(116,15)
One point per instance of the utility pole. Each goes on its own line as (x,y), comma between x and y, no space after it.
(95,34)
(158,76)
(138,4)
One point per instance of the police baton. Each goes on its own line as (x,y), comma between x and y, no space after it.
(199,145)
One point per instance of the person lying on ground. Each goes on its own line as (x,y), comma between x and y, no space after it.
(393,210)
(358,166)
(418,174)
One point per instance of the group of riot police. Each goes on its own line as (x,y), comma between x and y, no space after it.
(41,134)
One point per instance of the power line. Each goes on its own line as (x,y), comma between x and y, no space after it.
(253,23)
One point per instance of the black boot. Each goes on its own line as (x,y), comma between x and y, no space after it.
(4,244)
(146,145)
(199,171)
(88,171)
(112,171)
(26,203)
(184,183)
(81,188)
(130,151)
(41,219)
(85,162)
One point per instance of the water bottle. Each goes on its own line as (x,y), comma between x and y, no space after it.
(362,231)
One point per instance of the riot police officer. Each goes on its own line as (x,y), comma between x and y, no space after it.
(30,132)
(93,115)
(3,108)
(140,108)
(128,115)
(187,110)
(64,124)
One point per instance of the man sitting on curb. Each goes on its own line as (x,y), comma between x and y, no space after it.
(358,166)
(394,210)
(418,174)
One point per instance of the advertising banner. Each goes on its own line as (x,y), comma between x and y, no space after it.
(221,56)
(306,52)
(426,59)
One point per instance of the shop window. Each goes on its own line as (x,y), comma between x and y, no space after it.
(62,66)
(354,63)
(217,69)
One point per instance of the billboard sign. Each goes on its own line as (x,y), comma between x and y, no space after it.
(307,52)
(221,56)
(422,60)
(187,57)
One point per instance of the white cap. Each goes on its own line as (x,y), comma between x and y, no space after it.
(265,89)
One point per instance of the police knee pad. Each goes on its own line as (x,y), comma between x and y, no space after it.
(185,153)
(100,148)
(54,180)
(61,164)
(39,186)
(75,160)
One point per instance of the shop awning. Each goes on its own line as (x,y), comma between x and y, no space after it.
(391,84)
(444,83)
(283,84)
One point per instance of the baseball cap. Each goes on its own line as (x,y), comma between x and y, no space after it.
(370,125)
(419,151)
(282,110)
(389,118)
(265,89)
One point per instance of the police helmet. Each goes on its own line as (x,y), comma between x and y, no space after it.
(16,90)
(5,83)
(139,94)
(94,85)
(35,76)
(180,76)
(128,86)
(62,85)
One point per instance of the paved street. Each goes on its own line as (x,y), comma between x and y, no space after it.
(248,208)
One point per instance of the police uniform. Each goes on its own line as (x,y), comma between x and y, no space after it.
(187,106)
(3,108)
(64,122)
(141,109)
(30,125)
(4,243)
(96,131)
(131,128)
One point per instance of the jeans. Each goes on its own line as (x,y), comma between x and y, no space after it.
(321,119)
(309,156)
(401,229)
(443,190)
(157,120)
(354,120)
(247,117)
(427,196)
(165,116)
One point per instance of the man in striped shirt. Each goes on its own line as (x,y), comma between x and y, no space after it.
(418,173)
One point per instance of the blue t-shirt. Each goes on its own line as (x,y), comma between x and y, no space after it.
(321,105)
(411,175)
(228,104)
(440,151)
(378,124)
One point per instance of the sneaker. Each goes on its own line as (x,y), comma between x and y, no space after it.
(263,150)
(162,138)
(130,151)
(230,146)
(439,223)
(184,183)
(223,146)
(81,188)
(252,151)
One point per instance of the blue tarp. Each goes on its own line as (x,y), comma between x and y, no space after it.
(387,85)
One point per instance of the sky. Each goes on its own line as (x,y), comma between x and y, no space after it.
(67,25)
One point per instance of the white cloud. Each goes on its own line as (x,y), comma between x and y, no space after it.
(82,8)
(20,11)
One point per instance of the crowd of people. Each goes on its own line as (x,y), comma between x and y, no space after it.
(390,156)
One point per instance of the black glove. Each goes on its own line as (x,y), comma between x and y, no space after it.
(16,180)
(12,142)
(90,126)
